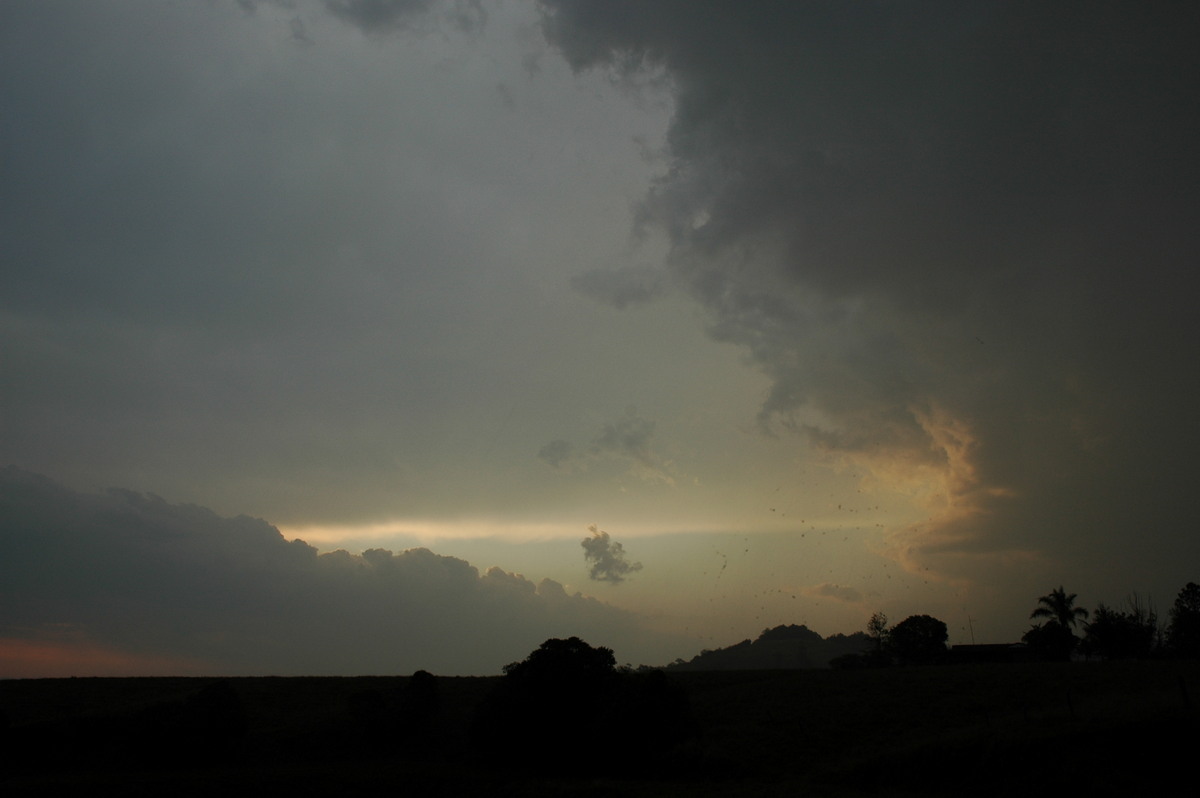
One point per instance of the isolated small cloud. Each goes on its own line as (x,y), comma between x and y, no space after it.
(830,590)
(607,557)
(629,438)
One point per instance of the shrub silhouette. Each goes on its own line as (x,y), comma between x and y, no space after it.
(1051,641)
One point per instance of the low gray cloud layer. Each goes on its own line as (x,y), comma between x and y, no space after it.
(123,572)
(607,558)
(956,236)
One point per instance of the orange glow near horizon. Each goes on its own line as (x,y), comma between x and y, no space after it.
(49,659)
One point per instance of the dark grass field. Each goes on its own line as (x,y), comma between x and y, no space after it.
(1021,729)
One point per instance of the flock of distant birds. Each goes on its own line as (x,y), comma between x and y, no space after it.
(763,607)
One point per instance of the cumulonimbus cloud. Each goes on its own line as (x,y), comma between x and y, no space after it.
(954,235)
(128,583)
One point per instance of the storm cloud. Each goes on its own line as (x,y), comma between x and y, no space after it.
(125,582)
(886,283)
(955,237)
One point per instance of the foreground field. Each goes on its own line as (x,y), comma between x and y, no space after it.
(1030,729)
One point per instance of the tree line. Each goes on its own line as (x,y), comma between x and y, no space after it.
(1129,632)
(1133,631)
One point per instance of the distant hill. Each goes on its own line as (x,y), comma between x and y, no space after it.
(784,647)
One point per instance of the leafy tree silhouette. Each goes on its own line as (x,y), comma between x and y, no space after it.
(1060,607)
(918,640)
(1113,634)
(877,630)
(521,723)
(1183,633)
(1054,639)
(557,662)
(1051,641)
(876,656)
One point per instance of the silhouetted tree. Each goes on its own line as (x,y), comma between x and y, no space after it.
(877,630)
(880,634)
(874,657)
(918,639)
(523,716)
(1054,639)
(1060,607)
(420,696)
(563,661)
(1113,634)
(1183,634)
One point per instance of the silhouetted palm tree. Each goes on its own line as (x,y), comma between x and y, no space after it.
(1060,606)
